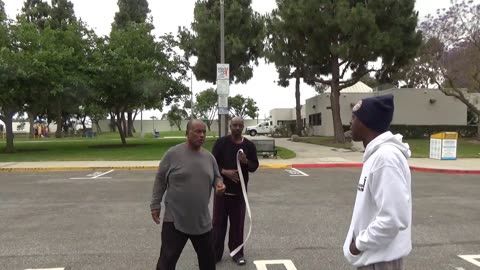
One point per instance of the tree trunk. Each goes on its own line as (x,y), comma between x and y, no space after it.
(119,122)
(10,148)
(335,102)
(113,123)
(125,126)
(30,121)
(298,108)
(83,123)
(130,124)
(99,129)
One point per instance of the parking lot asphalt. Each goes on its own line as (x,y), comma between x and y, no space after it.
(101,220)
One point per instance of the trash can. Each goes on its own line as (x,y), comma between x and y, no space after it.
(89,133)
(443,146)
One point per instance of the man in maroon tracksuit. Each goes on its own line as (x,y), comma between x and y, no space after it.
(232,204)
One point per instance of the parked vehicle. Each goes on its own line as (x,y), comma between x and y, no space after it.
(265,127)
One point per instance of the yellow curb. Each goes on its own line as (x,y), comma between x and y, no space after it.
(275,166)
(128,168)
(63,169)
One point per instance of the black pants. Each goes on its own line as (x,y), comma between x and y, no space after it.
(227,207)
(173,242)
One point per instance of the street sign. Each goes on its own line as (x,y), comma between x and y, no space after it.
(222,101)
(222,104)
(223,87)
(223,72)
(222,110)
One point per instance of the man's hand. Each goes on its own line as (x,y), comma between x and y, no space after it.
(243,158)
(220,188)
(156,215)
(353,248)
(231,174)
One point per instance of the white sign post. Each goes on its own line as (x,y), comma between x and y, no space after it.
(223,87)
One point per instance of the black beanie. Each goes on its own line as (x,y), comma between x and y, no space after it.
(376,113)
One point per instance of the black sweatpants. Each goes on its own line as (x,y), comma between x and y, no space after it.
(173,242)
(228,207)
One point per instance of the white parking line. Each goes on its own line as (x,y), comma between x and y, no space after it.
(262,265)
(95,175)
(103,174)
(295,172)
(473,259)
(46,269)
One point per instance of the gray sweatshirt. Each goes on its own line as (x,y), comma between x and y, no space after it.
(188,176)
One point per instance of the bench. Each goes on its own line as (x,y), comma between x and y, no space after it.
(265,147)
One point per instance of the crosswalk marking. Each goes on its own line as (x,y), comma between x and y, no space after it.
(46,268)
(473,259)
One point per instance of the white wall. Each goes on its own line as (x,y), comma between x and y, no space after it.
(26,128)
(164,125)
(412,107)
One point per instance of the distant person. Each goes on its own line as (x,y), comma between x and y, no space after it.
(379,236)
(231,206)
(188,173)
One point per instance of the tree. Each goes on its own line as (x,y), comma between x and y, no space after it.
(416,73)
(37,12)
(206,106)
(243,39)
(130,11)
(176,115)
(286,43)
(18,69)
(345,36)
(453,57)
(140,72)
(242,107)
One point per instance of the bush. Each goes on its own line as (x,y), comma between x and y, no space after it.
(417,132)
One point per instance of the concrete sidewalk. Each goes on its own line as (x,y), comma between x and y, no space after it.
(308,156)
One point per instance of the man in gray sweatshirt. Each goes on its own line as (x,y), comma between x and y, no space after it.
(189,173)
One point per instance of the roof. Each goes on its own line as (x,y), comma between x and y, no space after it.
(359,87)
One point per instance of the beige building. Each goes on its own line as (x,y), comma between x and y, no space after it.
(284,116)
(412,107)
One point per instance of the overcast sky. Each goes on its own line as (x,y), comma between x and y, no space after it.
(169,15)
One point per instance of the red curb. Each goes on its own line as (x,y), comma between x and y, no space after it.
(444,171)
(359,165)
(327,165)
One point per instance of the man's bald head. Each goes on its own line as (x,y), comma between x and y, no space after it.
(236,127)
(237,119)
(193,122)
(196,132)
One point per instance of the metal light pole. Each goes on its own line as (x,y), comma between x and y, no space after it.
(223,122)
(191,94)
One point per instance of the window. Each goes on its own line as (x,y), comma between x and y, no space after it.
(315,119)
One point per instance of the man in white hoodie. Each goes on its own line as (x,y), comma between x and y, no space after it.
(379,236)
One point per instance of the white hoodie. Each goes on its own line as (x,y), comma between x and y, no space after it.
(382,216)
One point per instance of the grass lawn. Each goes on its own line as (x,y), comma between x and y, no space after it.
(467,148)
(105,147)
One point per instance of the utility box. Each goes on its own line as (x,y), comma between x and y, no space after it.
(443,146)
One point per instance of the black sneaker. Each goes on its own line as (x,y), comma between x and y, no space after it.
(240,261)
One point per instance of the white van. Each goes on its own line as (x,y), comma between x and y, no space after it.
(264,127)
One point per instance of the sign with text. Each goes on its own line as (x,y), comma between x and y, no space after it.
(223,87)
(223,72)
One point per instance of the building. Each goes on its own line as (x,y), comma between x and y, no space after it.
(286,116)
(412,107)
